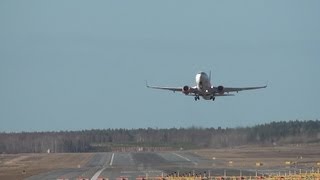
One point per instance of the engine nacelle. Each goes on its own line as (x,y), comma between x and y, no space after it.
(220,89)
(186,90)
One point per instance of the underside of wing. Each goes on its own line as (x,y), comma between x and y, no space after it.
(216,95)
(174,89)
(231,89)
(166,88)
(187,90)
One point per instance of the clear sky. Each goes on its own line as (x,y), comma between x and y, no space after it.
(73,65)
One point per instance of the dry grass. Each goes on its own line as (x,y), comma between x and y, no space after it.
(20,166)
(270,157)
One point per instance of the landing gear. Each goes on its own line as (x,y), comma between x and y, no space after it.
(213,98)
(196,98)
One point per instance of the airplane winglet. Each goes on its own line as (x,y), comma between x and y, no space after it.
(147,84)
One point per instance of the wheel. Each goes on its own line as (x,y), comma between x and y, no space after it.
(195,98)
(213,98)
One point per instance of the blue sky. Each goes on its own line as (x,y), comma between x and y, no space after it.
(71,65)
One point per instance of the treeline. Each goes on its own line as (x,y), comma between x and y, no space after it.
(160,139)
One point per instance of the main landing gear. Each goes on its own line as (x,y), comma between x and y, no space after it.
(196,98)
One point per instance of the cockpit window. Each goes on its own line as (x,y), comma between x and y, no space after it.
(202,73)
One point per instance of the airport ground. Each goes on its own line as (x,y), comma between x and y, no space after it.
(244,160)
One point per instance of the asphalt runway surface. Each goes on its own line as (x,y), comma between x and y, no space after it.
(133,165)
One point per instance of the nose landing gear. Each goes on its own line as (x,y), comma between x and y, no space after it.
(196,98)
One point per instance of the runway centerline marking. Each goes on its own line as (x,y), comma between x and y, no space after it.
(97,174)
(187,159)
(111,161)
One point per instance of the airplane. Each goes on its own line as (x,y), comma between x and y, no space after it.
(204,88)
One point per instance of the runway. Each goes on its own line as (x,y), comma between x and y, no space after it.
(134,165)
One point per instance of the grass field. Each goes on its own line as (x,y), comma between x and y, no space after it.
(20,166)
(266,157)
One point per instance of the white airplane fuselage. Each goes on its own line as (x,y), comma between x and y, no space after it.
(204,85)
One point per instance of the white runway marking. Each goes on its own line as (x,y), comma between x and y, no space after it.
(97,174)
(111,161)
(187,159)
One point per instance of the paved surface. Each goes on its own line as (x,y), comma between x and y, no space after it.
(140,164)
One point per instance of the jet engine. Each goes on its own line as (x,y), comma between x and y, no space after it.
(220,89)
(186,90)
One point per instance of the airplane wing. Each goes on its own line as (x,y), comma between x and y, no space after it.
(223,95)
(174,89)
(231,89)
